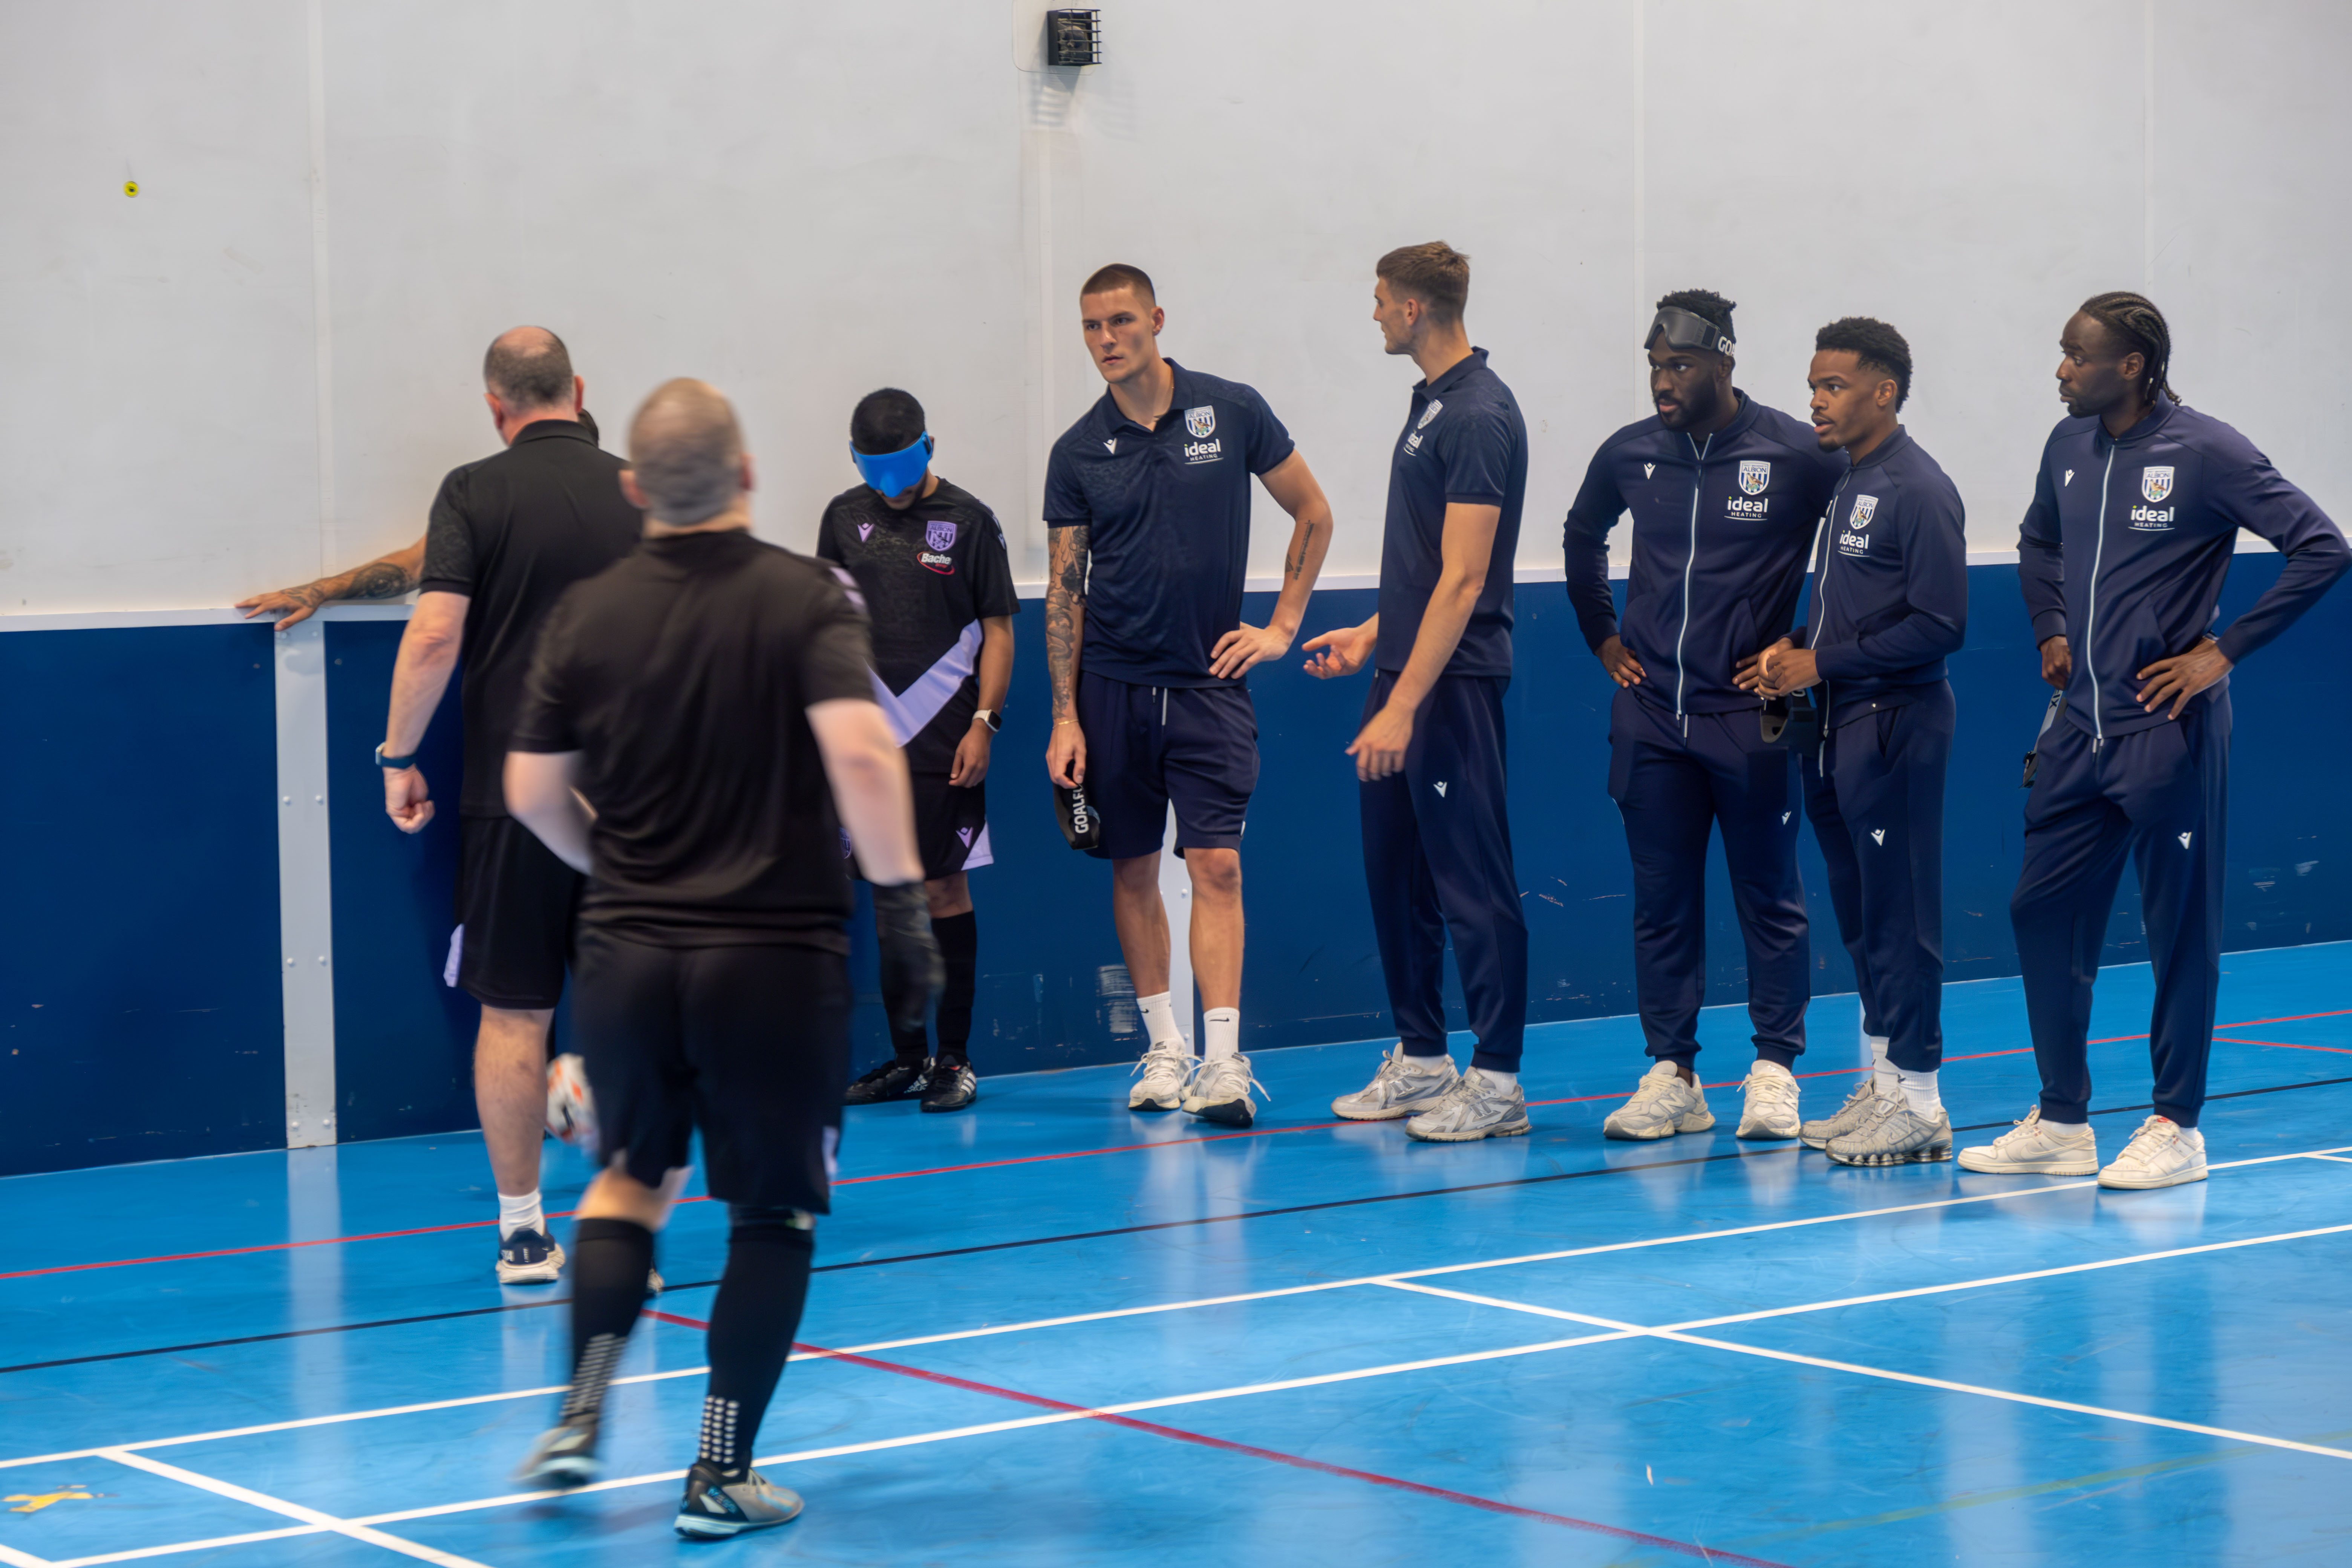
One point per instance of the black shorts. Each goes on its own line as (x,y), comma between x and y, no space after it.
(950,827)
(517,905)
(1151,746)
(749,1044)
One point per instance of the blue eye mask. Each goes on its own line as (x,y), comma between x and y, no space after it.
(891,473)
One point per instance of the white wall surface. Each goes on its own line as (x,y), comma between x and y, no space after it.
(259,366)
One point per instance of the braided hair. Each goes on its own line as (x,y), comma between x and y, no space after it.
(2141,327)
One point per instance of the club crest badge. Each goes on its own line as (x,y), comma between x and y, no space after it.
(1865,509)
(940,534)
(1202,422)
(1754,477)
(2156,484)
(1428,413)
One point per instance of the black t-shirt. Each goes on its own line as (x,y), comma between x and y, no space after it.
(682,675)
(513,532)
(930,574)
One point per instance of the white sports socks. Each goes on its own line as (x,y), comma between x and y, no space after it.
(1919,1094)
(1881,1071)
(520,1214)
(1221,1033)
(1159,1020)
(1508,1079)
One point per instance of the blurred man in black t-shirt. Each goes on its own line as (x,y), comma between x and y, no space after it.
(506,536)
(710,700)
(929,560)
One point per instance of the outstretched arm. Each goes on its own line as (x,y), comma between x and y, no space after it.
(1066,629)
(1292,485)
(385,577)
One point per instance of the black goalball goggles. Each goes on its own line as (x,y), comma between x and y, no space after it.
(1686,330)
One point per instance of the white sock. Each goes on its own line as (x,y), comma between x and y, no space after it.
(1160,1021)
(1508,1079)
(1763,1066)
(1437,1063)
(520,1214)
(1919,1093)
(1221,1033)
(1881,1069)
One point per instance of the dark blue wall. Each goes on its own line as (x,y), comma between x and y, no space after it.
(139,904)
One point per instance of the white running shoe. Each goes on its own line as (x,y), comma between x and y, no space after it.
(1768,1103)
(1859,1108)
(1166,1070)
(1220,1091)
(2036,1148)
(1473,1107)
(1405,1086)
(1897,1135)
(2162,1153)
(1662,1106)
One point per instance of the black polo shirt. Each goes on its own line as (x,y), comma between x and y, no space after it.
(1464,441)
(511,532)
(1166,513)
(683,676)
(930,574)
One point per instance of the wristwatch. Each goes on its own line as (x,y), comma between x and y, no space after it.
(992,717)
(383,762)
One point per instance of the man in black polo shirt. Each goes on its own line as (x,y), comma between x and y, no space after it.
(929,560)
(1430,757)
(1151,489)
(709,698)
(506,536)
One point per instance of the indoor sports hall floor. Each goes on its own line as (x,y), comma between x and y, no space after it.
(1052,1333)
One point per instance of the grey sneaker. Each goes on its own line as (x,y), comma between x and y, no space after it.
(1859,1108)
(1404,1086)
(1473,1107)
(1768,1101)
(1167,1070)
(1897,1135)
(564,1458)
(1220,1091)
(1662,1106)
(714,1508)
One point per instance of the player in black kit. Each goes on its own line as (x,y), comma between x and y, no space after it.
(929,560)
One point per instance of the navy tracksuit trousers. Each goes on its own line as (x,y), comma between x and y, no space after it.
(1437,857)
(1672,780)
(1874,791)
(2159,796)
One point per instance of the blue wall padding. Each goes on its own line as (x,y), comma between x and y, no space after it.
(138,908)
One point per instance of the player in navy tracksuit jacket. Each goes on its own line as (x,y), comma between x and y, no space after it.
(1890,603)
(1725,495)
(2134,516)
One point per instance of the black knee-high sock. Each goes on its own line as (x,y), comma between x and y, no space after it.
(610,1259)
(769,1253)
(958,940)
(910,1045)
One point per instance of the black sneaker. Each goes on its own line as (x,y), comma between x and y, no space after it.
(715,1507)
(564,1458)
(530,1258)
(894,1079)
(953,1088)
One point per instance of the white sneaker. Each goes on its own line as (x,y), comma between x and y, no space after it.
(1166,1070)
(1768,1103)
(1897,1135)
(1662,1106)
(2162,1153)
(1405,1086)
(1859,1108)
(2036,1148)
(1473,1107)
(1220,1091)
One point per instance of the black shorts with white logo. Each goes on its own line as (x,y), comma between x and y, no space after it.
(749,1045)
(950,825)
(1149,747)
(517,906)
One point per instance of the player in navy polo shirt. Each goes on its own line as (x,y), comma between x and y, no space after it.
(1430,756)
(1148,509)
(2135,513)
(929,561)
(1890,604)
(1725,495)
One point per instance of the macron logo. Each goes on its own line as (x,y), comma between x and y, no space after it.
(1649,468)
(865,531)
(2070,476)
(1441,794)
(1784,819)
(1111,445)
(2184,840)
(1878,835)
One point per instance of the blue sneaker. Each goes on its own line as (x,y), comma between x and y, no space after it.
(714,1508)
(529,1257)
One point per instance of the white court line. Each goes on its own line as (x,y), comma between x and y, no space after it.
(16,1559)
(989,1331)
(2337,1158)
(309,1516)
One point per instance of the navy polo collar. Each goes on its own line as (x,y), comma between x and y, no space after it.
(1180,397)
(1886,448)
(1456,374)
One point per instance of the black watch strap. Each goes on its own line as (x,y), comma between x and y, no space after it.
(383,762)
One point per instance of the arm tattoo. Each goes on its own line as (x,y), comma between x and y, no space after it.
(380,580)
(1065,608)
(1296,565)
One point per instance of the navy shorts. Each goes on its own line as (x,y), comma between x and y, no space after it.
(1148,746)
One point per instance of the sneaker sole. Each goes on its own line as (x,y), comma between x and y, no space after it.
(2142,1184)
(932,1107)
(1518,1129)
(1155,1105)
(2028,1167)
(1762,1134)
(546,1273)
(695,1527)
(562,1475)
(1927,1156)
(1394,1113)
(1668,1130)
(1225,1112)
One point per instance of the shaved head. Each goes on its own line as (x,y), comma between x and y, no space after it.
(687,452)
(529,367)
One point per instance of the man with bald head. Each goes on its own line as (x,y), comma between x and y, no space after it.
(506,536)
(699,729)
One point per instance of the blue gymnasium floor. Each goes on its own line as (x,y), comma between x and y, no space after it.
(1078,1336)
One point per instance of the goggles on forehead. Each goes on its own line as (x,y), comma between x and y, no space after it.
(894,473)
(1683,330)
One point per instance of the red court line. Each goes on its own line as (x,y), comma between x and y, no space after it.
(1295,1461)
